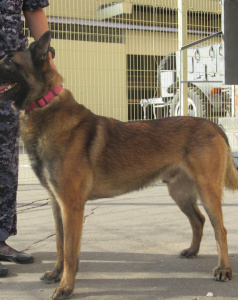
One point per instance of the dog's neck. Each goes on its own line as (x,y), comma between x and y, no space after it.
(45,99)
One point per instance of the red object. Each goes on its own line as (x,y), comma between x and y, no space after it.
(46,99)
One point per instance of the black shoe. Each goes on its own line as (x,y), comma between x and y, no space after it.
(20,258)
(3,271)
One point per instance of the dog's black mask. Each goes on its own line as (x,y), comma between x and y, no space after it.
(21,73)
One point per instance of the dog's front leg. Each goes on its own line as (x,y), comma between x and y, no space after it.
(72,216)
(55,274)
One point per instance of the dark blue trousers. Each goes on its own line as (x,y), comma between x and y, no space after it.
(9,154)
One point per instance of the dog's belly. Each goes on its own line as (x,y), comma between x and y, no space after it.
(111,186)
(118,183)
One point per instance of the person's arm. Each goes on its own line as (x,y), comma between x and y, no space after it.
(38,24)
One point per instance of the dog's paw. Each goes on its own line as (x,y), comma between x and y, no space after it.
(188,253)
(62,293)
(50,277)
(223,274)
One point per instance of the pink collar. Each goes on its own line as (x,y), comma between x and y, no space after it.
(45,99)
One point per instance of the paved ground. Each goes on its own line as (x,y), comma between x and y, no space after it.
(129,249)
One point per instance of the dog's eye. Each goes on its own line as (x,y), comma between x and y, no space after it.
(9,61)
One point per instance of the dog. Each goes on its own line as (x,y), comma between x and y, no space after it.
(80,156)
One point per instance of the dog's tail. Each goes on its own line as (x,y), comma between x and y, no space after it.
(231,175)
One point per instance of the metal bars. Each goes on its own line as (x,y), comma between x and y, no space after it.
(114,54)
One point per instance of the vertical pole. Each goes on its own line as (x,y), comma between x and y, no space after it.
(182,41)
(233,101)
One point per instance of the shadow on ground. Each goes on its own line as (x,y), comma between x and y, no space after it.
(106,275)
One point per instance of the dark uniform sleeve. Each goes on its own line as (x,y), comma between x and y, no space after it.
(34,4)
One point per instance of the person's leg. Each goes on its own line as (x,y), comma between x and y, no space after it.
(9,136)
(9,153)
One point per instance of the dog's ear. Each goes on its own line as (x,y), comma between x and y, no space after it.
(39,49)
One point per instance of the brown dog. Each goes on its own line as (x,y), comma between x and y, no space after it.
(78,155)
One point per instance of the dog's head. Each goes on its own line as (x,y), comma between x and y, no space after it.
(27,76)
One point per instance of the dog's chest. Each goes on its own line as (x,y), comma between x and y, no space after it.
(51,183)
(42,162)
(44,169)
(41,151)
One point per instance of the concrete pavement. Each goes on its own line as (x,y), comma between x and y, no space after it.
(129,250)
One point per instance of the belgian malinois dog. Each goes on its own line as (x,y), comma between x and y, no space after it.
(80,156)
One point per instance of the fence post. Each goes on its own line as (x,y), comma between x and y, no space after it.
(182,41)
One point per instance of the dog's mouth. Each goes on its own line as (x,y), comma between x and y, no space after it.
(6,87)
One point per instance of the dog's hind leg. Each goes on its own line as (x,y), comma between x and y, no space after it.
(211,196)
(182,190)
(55,274)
